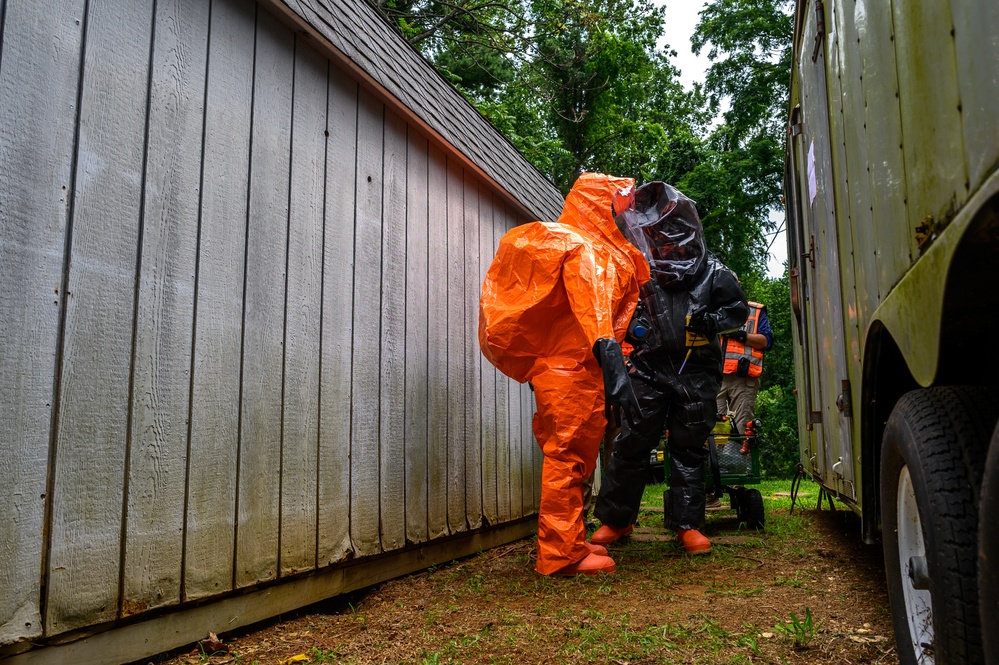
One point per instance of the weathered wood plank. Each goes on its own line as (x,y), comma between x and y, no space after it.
(337,320)
(85,550)
(473,368)
(516,454)
(487,373)
(393,338)
(514,440)
(209,539)
(455,345)
(416,337)
(365,424)
(532,492)
(39,79)
(165,314)
(437,357)
(504,501)
(258,494)
(299,511)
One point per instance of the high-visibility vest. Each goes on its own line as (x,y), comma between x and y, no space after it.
(734,350)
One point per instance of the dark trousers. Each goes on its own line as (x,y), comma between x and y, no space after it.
(684,405)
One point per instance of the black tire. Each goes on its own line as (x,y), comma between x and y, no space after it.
(933,450)
(752,512)
(988,554)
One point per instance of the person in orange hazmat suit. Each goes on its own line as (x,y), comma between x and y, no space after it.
(555,307)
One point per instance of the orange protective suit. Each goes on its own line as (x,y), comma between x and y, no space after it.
(553,290)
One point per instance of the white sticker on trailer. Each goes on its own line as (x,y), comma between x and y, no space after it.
(810,166)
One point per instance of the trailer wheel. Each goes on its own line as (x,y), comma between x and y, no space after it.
(751,509)
(988,554)
(931,467)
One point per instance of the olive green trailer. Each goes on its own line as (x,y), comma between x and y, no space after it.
(893,232)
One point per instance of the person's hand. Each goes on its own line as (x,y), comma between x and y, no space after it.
(738,335)
(617,385)
(701,323)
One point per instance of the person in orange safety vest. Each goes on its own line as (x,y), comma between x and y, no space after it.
(554,310)
(743,353)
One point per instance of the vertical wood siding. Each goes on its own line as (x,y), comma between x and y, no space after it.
(37,139)
(250,290)
(161,390)
(91,435)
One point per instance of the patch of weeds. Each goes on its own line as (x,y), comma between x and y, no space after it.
(737,591)
(508,618)
(431,658)
(317,655)
(475,582)
(795,581)
(712,628)
(801,631)
(749,641)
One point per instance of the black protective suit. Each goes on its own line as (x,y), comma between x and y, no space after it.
(676,365)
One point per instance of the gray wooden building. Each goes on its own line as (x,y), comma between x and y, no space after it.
(241,247)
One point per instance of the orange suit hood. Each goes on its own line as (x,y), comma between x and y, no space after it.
(554,288)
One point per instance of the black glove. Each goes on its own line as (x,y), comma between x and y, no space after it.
(702,323)
(738,335)
(617,385)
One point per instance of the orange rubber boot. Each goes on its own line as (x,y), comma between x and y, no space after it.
(596,549)
(694,541)
(607,534)
(593,564)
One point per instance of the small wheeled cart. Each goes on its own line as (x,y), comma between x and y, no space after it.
(733,463)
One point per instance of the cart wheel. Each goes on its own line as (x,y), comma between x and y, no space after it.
(753,513)
(667,509)
(734,497)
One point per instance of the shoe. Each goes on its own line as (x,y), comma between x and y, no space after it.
(607,534)
(593,564)
(694,542)
(712,502)
(596,549)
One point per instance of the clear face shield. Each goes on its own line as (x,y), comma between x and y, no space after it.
(663,224)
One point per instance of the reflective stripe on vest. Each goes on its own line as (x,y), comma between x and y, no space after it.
(735,350)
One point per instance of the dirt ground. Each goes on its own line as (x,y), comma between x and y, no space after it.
(807,590)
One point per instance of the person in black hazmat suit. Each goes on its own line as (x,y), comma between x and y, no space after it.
(675,367)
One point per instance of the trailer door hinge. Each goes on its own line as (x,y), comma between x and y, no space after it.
(843,400)
(820,28)
(810,254)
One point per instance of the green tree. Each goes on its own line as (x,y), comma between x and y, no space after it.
(749,45)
